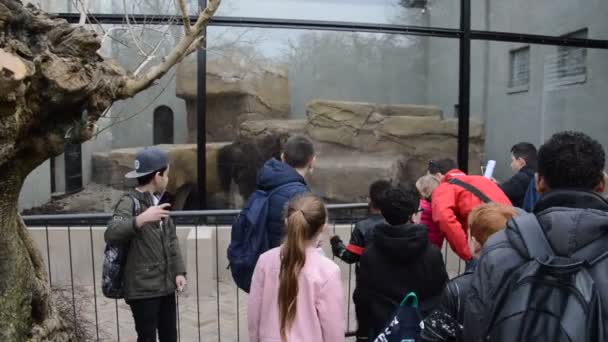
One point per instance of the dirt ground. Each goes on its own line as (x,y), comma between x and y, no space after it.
(94,198)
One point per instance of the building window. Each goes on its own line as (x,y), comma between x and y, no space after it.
(572,61)
(163,125)
(519,73)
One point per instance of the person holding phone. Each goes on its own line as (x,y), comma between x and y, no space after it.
(154,266)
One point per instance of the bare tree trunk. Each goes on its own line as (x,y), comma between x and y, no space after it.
(53,88)
(25,305)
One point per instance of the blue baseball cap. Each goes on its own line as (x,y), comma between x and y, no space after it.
(147,161)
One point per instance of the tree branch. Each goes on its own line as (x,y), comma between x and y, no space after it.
(184,9)
(135,85)
(82,8)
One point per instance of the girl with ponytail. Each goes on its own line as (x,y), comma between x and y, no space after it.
(296,293)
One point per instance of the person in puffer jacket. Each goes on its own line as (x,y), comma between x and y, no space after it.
(572,213)
(297,162)
(398,260)
(445,324)
(425,185)
(452,204)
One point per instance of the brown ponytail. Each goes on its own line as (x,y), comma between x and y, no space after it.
(305,217)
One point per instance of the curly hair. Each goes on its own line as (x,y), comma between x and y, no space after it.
(571,159)
(399,203)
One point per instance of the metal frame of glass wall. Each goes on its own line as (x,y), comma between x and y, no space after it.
(464,34)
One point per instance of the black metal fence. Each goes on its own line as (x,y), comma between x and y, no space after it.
(212,308)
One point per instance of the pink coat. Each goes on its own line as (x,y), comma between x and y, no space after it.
(426,217)
(320,315)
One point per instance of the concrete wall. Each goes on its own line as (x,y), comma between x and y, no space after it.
(547,106)
(37,188)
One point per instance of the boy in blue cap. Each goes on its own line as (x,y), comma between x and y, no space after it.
(154,268)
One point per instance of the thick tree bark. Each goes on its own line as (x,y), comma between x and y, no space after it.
(53,88)
(26,309)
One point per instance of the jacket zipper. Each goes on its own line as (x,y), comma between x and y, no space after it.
(162,241)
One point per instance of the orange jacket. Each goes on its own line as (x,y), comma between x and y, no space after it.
(452,205)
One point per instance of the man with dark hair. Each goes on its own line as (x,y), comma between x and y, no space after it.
(440,167)
(398,260)
(572,215)
(297,162)
(154,268)
(523,164)
(359,239)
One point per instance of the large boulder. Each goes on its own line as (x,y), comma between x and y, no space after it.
(253,130)
(235,92)
(345,177)
(417,132)
(110,168)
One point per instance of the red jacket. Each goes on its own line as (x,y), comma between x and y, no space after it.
(452,205)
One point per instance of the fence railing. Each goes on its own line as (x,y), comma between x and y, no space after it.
(211,308)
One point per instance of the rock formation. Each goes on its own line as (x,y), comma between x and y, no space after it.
(235,93)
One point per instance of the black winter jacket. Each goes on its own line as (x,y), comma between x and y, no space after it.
(515,188)
(399,260)
(571,220)
(445,324)
(359,239)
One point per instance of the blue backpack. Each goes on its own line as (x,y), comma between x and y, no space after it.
(531,196)
(249,237)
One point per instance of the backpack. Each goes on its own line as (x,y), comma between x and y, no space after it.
(405,324)
(531,196)
(249,237)
(115,257)
(549,298)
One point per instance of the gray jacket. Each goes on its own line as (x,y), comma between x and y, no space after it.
(571,220)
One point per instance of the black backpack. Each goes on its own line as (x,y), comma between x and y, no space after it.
(115,257)
(549,298)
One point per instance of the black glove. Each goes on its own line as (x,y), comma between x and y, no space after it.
(337,246)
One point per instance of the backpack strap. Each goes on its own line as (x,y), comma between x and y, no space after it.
(280,187)
(533,236)
(136,205)
(470,188)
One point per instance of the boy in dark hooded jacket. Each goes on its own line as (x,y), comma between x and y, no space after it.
(399,260)
(359,239)
(297,162)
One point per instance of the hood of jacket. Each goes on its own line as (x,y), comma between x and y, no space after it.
(571,220)
(275,173)
(403,243)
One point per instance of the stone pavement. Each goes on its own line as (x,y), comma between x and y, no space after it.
(196,323)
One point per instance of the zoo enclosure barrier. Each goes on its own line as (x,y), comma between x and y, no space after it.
(211,308)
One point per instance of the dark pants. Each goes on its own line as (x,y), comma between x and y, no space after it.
(154,314)
(362,314)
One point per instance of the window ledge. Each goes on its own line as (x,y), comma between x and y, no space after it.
(518,89)
(570,80)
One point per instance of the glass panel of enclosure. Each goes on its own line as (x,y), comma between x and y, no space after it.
(403,12)
(565,90)
(541,17)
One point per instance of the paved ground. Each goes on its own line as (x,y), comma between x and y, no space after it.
(194,321)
